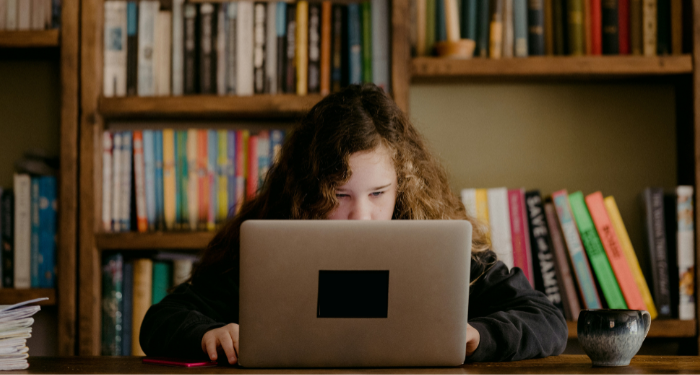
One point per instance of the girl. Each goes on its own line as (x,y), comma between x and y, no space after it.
(354,156)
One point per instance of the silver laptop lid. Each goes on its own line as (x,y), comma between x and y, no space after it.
(324,293)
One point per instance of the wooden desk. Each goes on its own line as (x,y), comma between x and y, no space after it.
(565,364)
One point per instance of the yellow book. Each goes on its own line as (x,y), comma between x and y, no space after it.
(631,257)
(241,166)
(482,207)
(302,41)
(169,178)
(221,178)
(143,282)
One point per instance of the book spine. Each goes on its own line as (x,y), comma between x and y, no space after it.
(11,20)
(142,292)
(259,29)
(686,253)
(56,14)
(178,43)
(623,28)
(184,179)
(148,11)
(7,209)
(576,30)
(663,27)
(276,139)
(535,20)
(132,51)
(271,49)
(469,22)
(468,197)
(611,39)
(290,81)
(163,53)
(496,29)
(178,181)
(588,48)
(107,181)
(548,28)
(354,44)
(264,157)
(162,277)
(544,269)
(222,177)
(559,28)
(302,43)
(326,37)
(193,180)
(231,172)
(482,207)
(281,34)
(212,153)
(522,257)
(221,66)
(613,249)
(48,201)
(381,70)
(596,254)
(314,70)
(596,27)
(23,231)
(182,269)
(149,174)
(125,188)
(115,54)
(117,175)
(252,182)
(3,14)
(366,21)
(241,167)
(206,25)
(24,14)
(140,182)
(649,14)
(567,287)
(508,32)
(127,301)
(440,21)
(159,183)
(677,27)
(231,39)
(203,177)
(579,261)
(636,27)
(499,220)
(169,182)
(520,28)
(430,18)
(34,244)
(112,304)
(244,48)
(190,68)
(420,25)
(656,241)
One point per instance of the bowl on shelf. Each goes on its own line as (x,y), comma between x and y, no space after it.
(460,49)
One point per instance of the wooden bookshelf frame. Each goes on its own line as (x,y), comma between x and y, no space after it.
(30,39)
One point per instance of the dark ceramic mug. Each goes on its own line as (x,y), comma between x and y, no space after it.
(612,337)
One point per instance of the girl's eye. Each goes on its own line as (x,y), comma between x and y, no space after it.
(377,193)
(341,195)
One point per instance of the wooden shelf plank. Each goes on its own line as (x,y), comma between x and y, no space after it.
(154,240)
(30,38)
(267,106)
(10,296)
(659,329)
(580,66)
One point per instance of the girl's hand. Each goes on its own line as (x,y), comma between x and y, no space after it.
(473,338)
(224,339)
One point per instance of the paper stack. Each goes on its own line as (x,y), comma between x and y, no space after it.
(15,328)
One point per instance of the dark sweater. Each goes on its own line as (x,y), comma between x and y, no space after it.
(515,321)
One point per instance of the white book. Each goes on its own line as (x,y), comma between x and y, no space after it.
(244,48)
(116,181)
(114,68)
(23,230)
(37,16)
(125,190)
(162,53)
(469,201)
(3,14)
(107,181)
(499,221)
(271,49)
(178,39)
(24,12)
(182,269)
(381,45)
(193,182)
(649,28)
(148,11)
(11,19)
(221,49)
(508,37)
(686,252)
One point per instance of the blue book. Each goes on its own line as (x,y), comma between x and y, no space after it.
(127,302)
(212,152)
(127,154)
(35,232)
(231,166)
(440,22)
(150,177)
(354,44)
(520,27)
(47,231)
(158,157)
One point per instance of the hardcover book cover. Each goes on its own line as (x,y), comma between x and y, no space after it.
(522,256)
(656,242)
(567,285)
(500,223)
(112,305)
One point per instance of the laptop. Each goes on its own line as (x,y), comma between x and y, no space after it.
(326,293)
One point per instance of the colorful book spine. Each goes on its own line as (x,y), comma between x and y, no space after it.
(281,40)
(203,177)
(158,157)
(252,182)
(579,261)
(184,178)
(178,178)
(276,140)
(212,154)
(469,23)
(222,177)
(34,262)
(190,69)
(125,187)
(508,33)
(499,220)
(142,292)
(128,300)
(623,26)
(169,179)
(193,180)
(656,242)
(264,156)
(132,58)
(148,10)
(520,27)
(271,48)
(259,53)
(355,44)
(117,176)
(149,171)
(522,255)
(381,45)
(482,206)
(107,181)
(140,182)
(686,254)
(231,173)
(574,9)
(596,254)
(207,24)
(302,40)
(587,27)
(314,48)
(338,49)
(596,28)
(290,73)
(112,305)
(567,287)
(162,277)
(613,249)
(241,167)
(115,38)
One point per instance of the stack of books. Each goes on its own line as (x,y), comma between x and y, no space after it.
(30,14)
(15,328)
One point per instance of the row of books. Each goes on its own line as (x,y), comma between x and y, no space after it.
(30,14)
(521,28)
(558,241)
(129,288)
(243,47)
(28,232)
(190,179)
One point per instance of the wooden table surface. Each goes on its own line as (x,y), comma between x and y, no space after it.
(564,364)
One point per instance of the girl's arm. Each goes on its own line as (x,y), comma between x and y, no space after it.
(514,321)
(175,326)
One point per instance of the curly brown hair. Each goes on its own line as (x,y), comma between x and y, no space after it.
(314,161)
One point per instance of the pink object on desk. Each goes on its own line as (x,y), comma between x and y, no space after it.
(178,362)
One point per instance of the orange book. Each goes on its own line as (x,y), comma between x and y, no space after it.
(252,181)
(203,178)
(139,180)
(616,255)
(326,47)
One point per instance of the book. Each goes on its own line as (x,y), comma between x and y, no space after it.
(656,243)
(11,20)
(522,254)
(314,48)
(48,206)
(430,17)
(190,68)
(596,254)
(193,180)
(220,53)
(7,236)
(107,181)
(125,187)
(259,53)
(381,44)
(231,172)
(302,44)
(178,178)
(290,72)
(159,184)
(663,27)
(508,32)
(281,40)
(114,70)
(567,286)
(16,329)
(521,29)
(142,300)
(117,175)
(677,27)
(544,272)
(244,47)
(326,38)
(162,53)
(127,303)
(500,225)
(271,49)
(468,20)
(34,244)
(222,177)
(148,11)
(613,250)
(559,28)
(588,48)
(440,21)
(203,179)
(610,18)
(366,22)
(420,26)
(252,180)
(482,207)
(212,154)
(636,27)
(649,20)
(140,182)
(354,44)
(241,167)
(169,179)
(686,254)
(231,28)
(339,60)
(548,28)
(670,203)
(149,171)
(579,261)
(184,175)
(623,26)
(178,47)
(596,24)
(469,200)
(276,140)
(112,304)
(207,26)
(496,29)
(162,277)
(23,231)
(576,30)
(132,51)
(264,156)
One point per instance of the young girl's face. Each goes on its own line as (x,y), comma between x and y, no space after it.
(370,194)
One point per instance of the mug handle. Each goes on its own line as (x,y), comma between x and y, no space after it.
(647,321)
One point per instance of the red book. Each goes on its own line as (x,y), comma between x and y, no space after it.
(139,182)
(520,236)
(596,28)
(241,164)
(623,26)
(252,181)
(616,255)
(203,178)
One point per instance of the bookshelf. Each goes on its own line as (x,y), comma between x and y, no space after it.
(64,297)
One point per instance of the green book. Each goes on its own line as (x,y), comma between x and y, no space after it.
(112,304)
(162,276)
(182,181)
(367,42)
(596,253)
(577,38)
(430,26)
